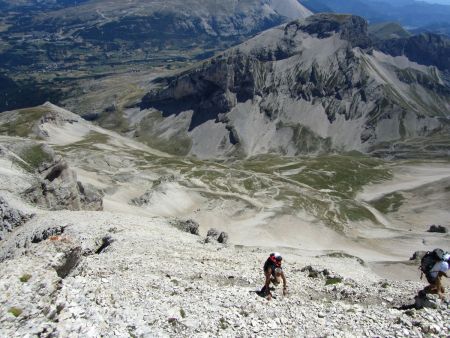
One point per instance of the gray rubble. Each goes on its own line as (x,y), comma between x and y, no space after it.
(152,280)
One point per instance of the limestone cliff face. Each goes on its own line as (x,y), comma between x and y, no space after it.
(312,85)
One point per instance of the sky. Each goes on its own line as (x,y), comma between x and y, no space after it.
(444,2)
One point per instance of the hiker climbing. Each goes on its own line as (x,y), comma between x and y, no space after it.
(434,265)
(273,274)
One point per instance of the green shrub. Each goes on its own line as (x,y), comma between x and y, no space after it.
(25,278)
(223,323)
(332,281)
(15,311)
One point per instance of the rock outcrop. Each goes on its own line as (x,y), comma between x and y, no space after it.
(10,218)
(214,235)
(57,187)
(438,228)
(312,85)
(189,226)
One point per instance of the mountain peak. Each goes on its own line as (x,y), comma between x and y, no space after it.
(351,27)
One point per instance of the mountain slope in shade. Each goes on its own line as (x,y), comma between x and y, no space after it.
(388,30)
(313,85)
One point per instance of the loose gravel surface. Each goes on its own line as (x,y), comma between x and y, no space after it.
(92,274)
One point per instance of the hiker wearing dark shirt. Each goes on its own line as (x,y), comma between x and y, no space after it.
(273,274)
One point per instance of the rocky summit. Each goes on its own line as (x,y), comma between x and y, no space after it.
(309,86)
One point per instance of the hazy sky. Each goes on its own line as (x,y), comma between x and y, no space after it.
(445,2)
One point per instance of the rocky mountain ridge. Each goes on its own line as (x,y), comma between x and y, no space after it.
(313,85)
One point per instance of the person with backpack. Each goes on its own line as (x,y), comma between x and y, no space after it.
(273,273)
(435,265)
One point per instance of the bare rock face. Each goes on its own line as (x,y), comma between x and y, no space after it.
(57,189)
(10,218)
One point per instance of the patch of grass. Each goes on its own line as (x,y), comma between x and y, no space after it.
(23,124)
(93,138)
(333,281)
(389,203)
(88,142)
(15,311)
(148,133)
(344,174)
(25,278)
(355,212)
(344,255)
(384,285)
(34,156)
(114,120)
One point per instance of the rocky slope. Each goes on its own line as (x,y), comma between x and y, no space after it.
(346,227)
(154,281)
(313,85)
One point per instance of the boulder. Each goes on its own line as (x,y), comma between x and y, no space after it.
(438,228)
(315,272)
(223,238)
(214,235)
(189,226)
